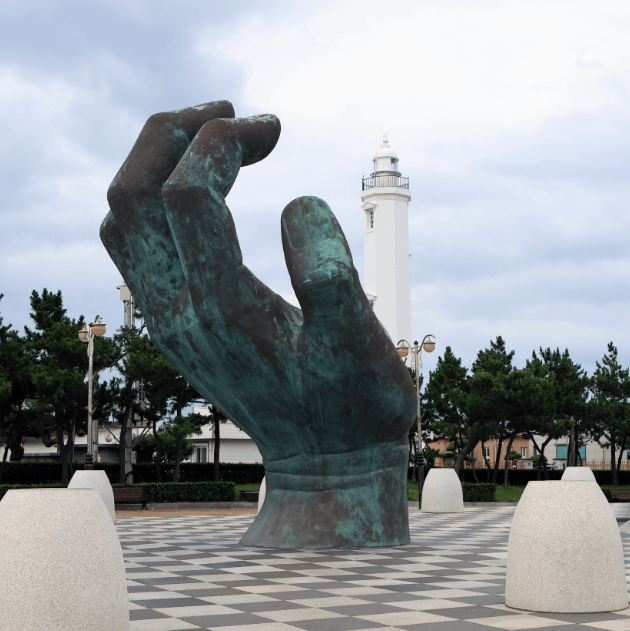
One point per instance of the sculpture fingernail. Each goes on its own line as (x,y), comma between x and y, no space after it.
(309,220)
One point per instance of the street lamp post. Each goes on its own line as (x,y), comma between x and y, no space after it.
(86,334)
(404,348)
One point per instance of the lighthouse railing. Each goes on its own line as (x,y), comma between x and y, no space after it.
(390,181)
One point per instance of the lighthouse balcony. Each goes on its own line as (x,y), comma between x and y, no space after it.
(385,181)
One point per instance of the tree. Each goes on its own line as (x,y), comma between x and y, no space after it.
(16,387)
(166,395)
(217,418)
(444,407)
(60,368)
(571,392)
(147,447)
(413,433)
(430,455)
(133,349)
(183,426)
(157,378)
(486,404)
(611,405)
(530,402)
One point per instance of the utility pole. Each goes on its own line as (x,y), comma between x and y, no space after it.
(86,335)
(127,300)
(404,348)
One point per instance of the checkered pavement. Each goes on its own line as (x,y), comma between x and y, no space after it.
(191,573)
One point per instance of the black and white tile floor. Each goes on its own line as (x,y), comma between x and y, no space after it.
(191,573)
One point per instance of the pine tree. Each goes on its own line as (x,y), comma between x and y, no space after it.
(486,403)
(61,365)
(444,402)
(611,405)
(571,391)
(16,387)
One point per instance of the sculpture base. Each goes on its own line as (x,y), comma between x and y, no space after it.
(356,500)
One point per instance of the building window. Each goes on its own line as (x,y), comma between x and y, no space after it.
(486,452)
(371,219)
(202,454)
(523,452)
(562,451)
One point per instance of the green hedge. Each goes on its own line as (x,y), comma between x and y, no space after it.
(186,491)
(166,492)
(28,473)
(467,475)
(520,477)
(481,492)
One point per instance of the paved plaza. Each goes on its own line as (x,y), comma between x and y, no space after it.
(191,573)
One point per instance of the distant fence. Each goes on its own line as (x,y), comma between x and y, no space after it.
(595,465)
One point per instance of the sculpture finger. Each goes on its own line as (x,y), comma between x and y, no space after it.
(135,201)
(117,247)
(194,198)
(320,264)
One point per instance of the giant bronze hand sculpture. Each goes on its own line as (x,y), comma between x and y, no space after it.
(321,390)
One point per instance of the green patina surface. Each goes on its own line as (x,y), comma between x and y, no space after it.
(320,389)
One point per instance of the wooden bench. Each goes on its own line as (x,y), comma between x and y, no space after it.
(130,495)
(250,496)
(618,495)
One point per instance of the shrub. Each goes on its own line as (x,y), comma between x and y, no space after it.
(28,473)
(479,492)
(166,492)
(202,472)
(186,491)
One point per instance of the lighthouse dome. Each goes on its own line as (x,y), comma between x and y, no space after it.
(386,151)
(386,159)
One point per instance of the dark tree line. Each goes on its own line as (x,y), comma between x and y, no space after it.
(550,397)
(44,389)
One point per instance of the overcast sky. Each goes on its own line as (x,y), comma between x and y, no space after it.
(510,118)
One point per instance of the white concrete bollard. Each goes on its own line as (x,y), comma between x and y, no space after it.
(98,481)
(583,474)
(262,493)
(442,492)
(62,567)
(564,551)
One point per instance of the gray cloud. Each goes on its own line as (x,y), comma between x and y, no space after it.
(513,133)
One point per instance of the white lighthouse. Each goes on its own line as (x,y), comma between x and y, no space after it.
(386,198)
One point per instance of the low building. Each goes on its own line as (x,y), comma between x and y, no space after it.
(591,453)
(486,452)
(34,448)
(234,444)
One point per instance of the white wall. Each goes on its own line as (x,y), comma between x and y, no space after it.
(235,445)
(386,264)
